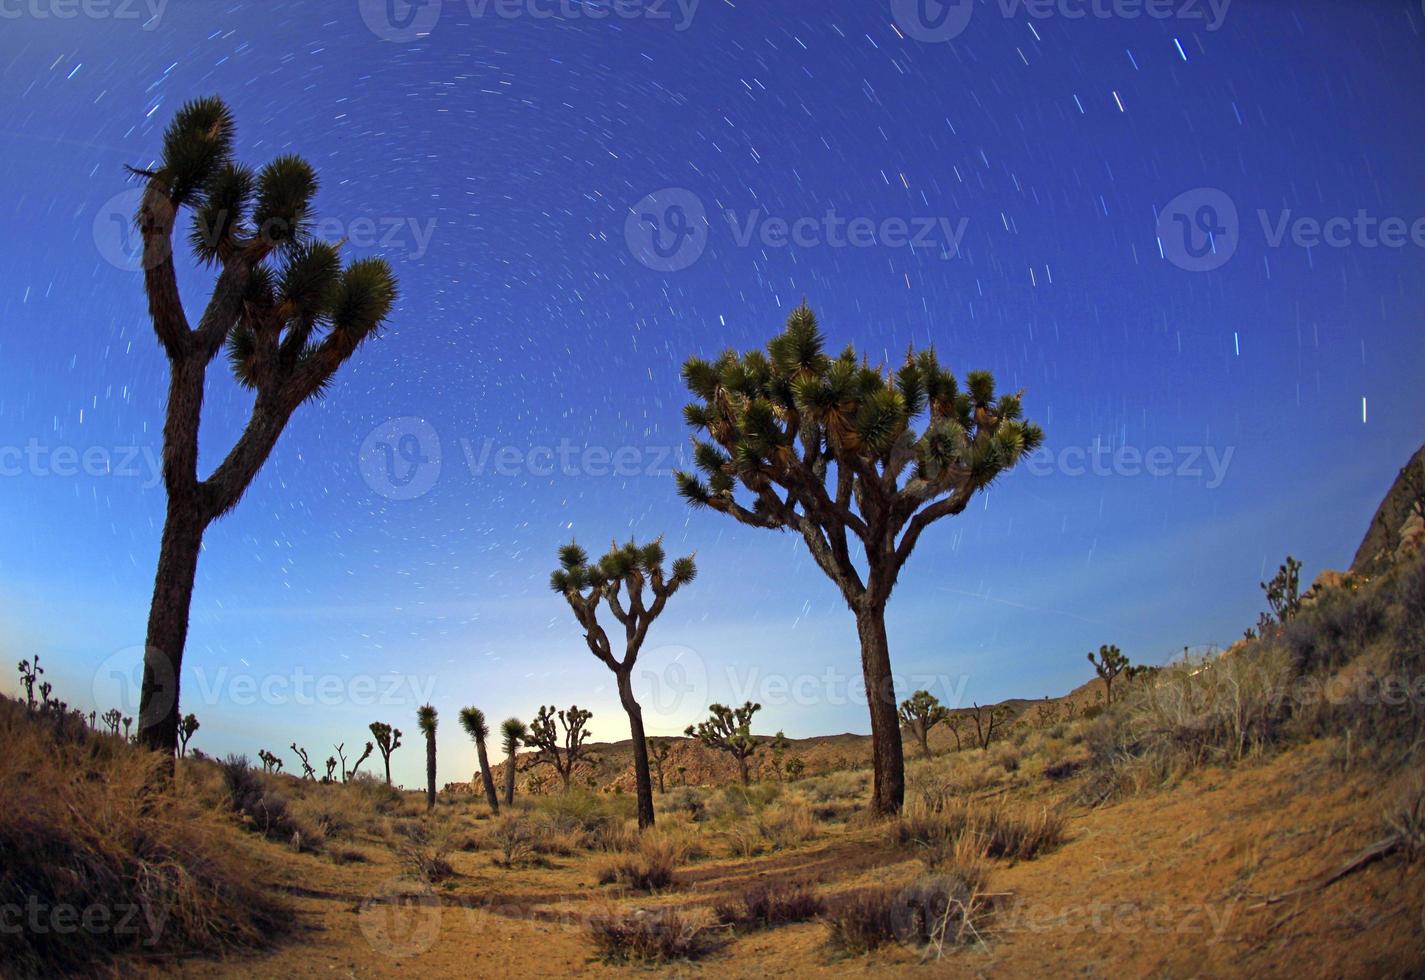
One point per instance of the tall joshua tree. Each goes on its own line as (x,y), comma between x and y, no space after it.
(921,712)
(1109,664)
(473,721)
(388,740)
(560,752)
(290,315)
(631,580)
(426,718)
(512,735)
(828,447)
(730,730)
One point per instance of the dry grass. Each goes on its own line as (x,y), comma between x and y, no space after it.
(651,867)
(646,936)
(936,912)
(109,867)
(999,830)
(766,905)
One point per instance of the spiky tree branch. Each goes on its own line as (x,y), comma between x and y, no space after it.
(561,752)
(388,740)
(730,730)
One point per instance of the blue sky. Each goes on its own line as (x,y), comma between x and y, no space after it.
(495,161)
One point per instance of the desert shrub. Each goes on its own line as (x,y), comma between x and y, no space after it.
(1007,759)
(683,799)
(1406,822)
(766,905)
(264,810)
(1407,626)
(997,831)
(934,912)
(836,786)
(1061,770)
(148,872)
(787,824)
(423,848)
(1021,835)
(585,816)
(650,868)
(646,935)
(513,834)
(1334,630)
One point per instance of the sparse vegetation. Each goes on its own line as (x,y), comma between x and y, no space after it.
(646,935)
(560,752)
(730,730)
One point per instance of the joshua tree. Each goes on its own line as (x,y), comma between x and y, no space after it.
(730,730)
(1284,591)
(921,712)
(473,721)
(512,734)
(829,448)
(561,754)
(1109,663)
(795,768)
(127,722)
(331,766)
(29,673)
(186,728)
(307,771)
(1048,712)
(388,740)
(632,580)
(270,762)
(953,724)
(356,766)
(340,748)
(987,719)
(290,315)
(778,746)
(112,718)
(658,749)
(426,719)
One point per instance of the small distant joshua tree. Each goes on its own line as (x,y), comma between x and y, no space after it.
(186,728)
(795,768)
(987,719)
(30,672)
(388,740)
(426,718)
(512,736)
(1109,663)
(858,461)
(472,719)
(1048,713)
(1284,591)
(270,762)
(632,581)
(778,746)
(730,730)
(290,315)
(356,766)
(307,771)
(921,712)
(331,767)
(658,749)
(561,753)
(112,718)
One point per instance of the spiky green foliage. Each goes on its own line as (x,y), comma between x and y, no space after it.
(427,719)
(559,750)
(831,447)
(513,733)
(1109,663)
(730,730)
(920,713)
(472,719)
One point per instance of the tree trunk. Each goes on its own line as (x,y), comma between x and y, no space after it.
(386,758)
(642,778)
(486,778)
(924,736)
(887,755)
(510,780)
(745,771)
(168,624)
(430,771)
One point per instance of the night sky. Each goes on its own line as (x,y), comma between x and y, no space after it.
(1070,181)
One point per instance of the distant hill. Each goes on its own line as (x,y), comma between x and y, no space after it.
(1392,520)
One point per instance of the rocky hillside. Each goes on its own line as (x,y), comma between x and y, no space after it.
(1397,525)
